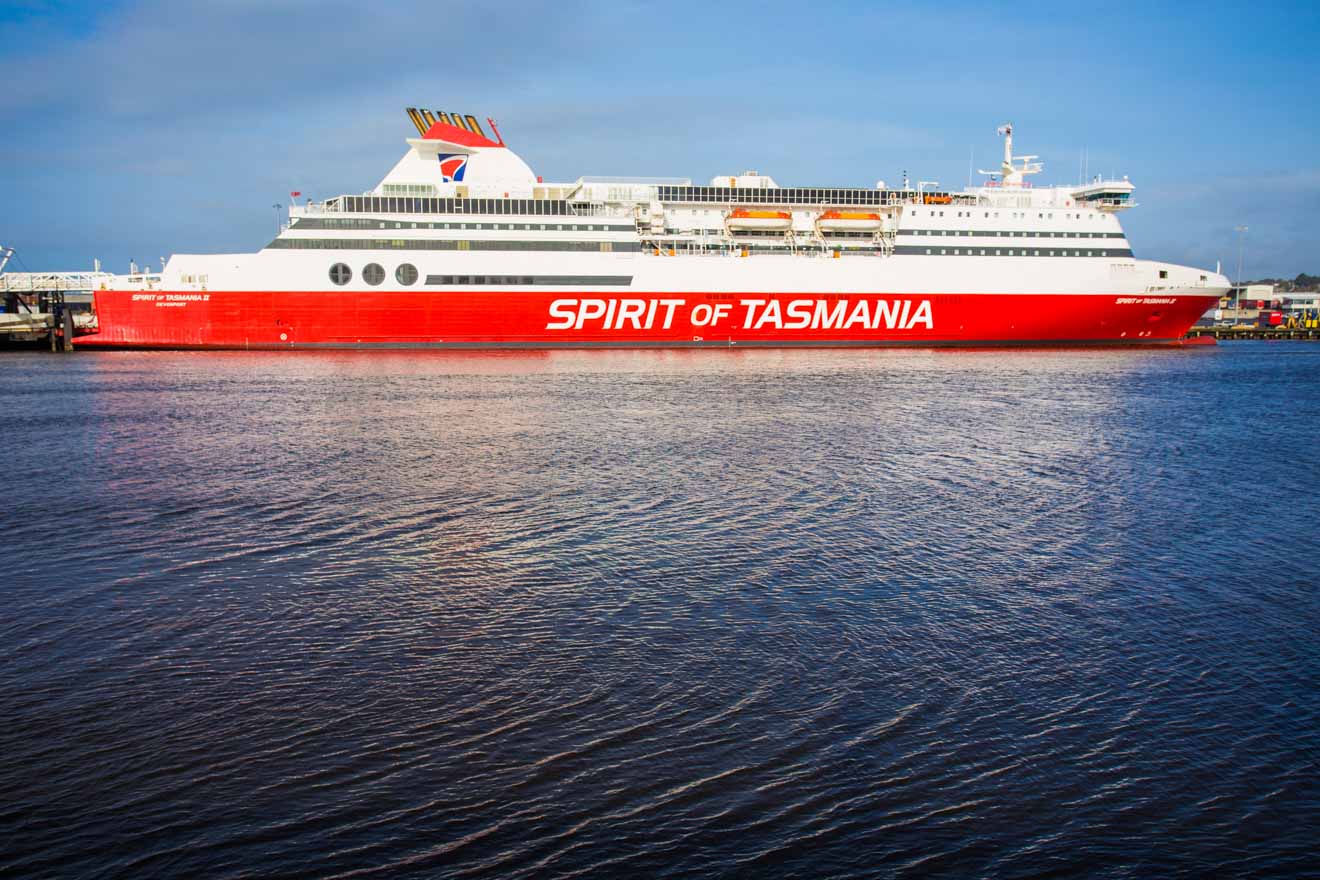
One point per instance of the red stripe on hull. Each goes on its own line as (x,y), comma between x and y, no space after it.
(494,319)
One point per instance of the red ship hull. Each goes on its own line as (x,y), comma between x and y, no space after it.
(541,319)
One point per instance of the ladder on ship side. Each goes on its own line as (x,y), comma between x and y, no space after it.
(884,241)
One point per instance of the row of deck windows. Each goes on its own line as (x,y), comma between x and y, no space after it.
(993,233)
(785,195)
(1011,252)
(372,223)
(532,280)
(423,244)
(405,205)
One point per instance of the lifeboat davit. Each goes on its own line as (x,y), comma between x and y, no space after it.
(742,218)
(849,221)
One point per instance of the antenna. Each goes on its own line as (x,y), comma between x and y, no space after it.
(1011,174)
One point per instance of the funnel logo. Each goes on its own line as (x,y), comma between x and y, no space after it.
(452,168)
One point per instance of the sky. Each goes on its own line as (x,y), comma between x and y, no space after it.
(135,129)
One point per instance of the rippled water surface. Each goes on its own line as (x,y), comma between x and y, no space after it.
(808,613)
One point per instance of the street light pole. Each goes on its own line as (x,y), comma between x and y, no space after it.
(1237,290)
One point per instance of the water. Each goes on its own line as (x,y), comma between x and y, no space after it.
(808,614)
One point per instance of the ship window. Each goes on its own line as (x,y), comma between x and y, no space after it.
(373,274)
(340,274)
(1164,273)
(406,274)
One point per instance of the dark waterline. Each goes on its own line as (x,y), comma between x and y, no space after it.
(806,613)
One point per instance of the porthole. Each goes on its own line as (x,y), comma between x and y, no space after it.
(406,274)
(340,274)
(373,274)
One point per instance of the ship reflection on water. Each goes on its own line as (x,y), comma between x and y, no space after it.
(639,613)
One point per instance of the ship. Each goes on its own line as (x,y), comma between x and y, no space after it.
(462,245)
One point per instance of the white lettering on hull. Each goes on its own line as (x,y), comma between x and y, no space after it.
(755,314)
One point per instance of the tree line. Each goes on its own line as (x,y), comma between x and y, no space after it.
(1291,285)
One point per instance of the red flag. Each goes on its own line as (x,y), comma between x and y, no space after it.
(294,195)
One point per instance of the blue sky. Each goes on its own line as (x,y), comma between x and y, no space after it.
(140,129)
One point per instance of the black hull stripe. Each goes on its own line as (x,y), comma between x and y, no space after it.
(641,346)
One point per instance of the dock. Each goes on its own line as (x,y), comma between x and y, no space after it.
(45,307)
(1225,334)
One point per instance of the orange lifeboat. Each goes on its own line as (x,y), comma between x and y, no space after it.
(938,200)
(743,218)
(849,221)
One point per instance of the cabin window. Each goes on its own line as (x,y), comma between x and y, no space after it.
(373,274)
(340,274)
(1164,273)
(406,274)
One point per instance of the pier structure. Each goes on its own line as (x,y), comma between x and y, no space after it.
(1291,330)
(45,305)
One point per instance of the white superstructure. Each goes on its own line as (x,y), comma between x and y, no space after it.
(1004,235)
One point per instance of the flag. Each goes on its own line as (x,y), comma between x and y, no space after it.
(294,195)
